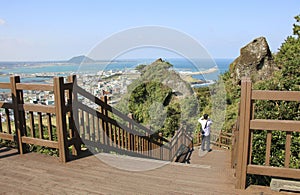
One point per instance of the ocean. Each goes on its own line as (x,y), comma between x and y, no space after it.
(27,70)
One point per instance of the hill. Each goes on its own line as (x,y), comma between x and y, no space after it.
(161,99)
(80,59)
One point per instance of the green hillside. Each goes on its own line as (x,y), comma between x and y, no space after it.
(285,76)
(160,99)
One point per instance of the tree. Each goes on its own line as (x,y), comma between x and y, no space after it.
(286,79)
(140,68)
(296,29)
(160,98)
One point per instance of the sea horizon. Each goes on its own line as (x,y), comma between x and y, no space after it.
(63,68)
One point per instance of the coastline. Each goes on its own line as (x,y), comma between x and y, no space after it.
(35,71)
(191,80)
(208,71)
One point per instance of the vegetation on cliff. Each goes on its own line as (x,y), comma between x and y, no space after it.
(286,77)
(160,99)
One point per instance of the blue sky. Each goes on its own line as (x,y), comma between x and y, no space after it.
(58,30)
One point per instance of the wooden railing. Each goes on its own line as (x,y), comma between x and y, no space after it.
(73,122)
(181,138)
(221,139)
(247,125)
(107,129)
(38,129)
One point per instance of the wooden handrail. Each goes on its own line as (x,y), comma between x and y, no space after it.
(36,108)
(73,117)
(31,86)
(112,121)
(280,125)
(116,112)
(243,134)
(275,95)
(5,85)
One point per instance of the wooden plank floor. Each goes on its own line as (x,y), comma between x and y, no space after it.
(34,173)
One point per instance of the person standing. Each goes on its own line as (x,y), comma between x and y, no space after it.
(205,126)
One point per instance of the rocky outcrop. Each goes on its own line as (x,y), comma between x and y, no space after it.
(255,61)
(160,71)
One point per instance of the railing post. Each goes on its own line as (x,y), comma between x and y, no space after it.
(147,143)
(17,99)
(74,119)
(161,146)
(234,139)
(107,130)
(130,136)
(243,142)
(233,146)
(61,126)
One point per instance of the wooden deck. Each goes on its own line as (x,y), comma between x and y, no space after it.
(34,173)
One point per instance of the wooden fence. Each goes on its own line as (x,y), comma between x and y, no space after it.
(244,135)
(34,130)
(73,122)
(107,129)
(221,139)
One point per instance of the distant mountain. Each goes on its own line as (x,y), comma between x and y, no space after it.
(80,59)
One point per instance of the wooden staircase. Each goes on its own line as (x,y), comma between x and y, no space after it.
(81,120)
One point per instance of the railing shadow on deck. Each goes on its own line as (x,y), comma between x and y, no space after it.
(69,123)
(7,152)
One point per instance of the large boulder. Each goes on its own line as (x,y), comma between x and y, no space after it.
(255,61)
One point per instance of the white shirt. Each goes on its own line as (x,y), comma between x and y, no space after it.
(203,122)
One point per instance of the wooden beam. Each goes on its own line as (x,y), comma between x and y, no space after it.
(40,142)
(288,142)
(31,122)
(73,101)
(17,98)
(31,86)
(268,147)
(6,105)
(36,108)
(243,142)
(61,118)
(5,85)
(7,136)
(8,123)
(40,125)
(107,108)
(280,125)
(274,171)
(276,95)
(68,86)
(50,131)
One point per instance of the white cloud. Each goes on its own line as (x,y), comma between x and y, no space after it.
(2,21)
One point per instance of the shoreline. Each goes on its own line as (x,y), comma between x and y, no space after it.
(208,71)
(48,76)
(44,71)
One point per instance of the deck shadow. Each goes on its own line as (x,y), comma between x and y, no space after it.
(184,155)
(82,154)
(7,152)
